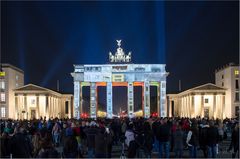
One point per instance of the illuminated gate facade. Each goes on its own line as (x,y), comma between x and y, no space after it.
(124,74)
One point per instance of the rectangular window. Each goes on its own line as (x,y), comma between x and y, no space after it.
(236,72)
(3,112)
(222,76)
(237,111)
(237,96)
(206,100)
(222,84)
(66,107)
(2,85)
(33,101)
(3,99)
(236,84)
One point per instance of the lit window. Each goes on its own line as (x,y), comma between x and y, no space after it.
(3,97)
(236,72)
(237,111)
(206,100)
(3,112)
(16,77)
(16,85)
(236,97)
(2,85)
(33,101)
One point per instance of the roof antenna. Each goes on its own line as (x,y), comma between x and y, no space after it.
(179,86)
(58,85)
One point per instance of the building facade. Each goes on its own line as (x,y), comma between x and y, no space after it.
(228,77)
(32,101)
(120,73)
(11,78)
(207,100)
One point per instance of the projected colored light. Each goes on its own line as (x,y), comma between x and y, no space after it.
(101,84)
(120,84)
(85,84)
(154,83)
(138,84)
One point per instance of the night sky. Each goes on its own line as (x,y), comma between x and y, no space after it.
(193,39)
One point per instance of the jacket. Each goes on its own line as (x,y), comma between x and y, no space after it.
(163,133)
(212,136)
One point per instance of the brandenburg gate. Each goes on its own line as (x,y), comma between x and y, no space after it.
(120,72)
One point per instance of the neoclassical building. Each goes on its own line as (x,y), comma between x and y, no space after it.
(32,101)
(228,77)
(207,100)
(120,72)
(11,78)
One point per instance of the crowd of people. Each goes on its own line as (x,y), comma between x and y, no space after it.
(139,137)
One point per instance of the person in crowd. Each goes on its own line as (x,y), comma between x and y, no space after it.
(83,137)
(203,128)
(173,130)
(192,140)
(123,127)
(8,129)
(148,139)
(130,140)
(235,141)
(163,136)
(56,133)
(101,143)
(155,125)
(178,136)
(63,133)
(212,140)
(70,147)
(5,152)
(47,149)
(76,132)
(116,127)
(36,141)
(91,133)
(129,134)
(20,146)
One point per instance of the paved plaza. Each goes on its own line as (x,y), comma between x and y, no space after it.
(223,153)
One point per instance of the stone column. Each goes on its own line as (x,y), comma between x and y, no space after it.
(80,99)
(76,99)
(189,106)
(46,113)
(193,106)
(214,106)
(130,99)
(25,107)
(202,105)
(223,106)
(16,107)
(37,106)
(159,99)
(109,100)
(146,99)
(50,107)
(93,102)
(163,99)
